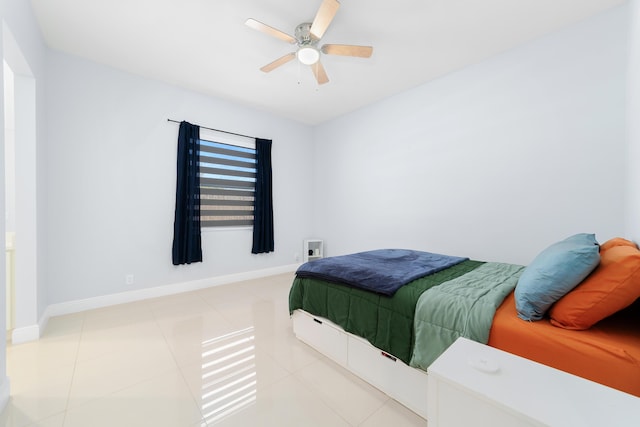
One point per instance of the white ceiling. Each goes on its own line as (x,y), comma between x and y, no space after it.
(204,45)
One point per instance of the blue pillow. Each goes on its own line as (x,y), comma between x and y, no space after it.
(553,273)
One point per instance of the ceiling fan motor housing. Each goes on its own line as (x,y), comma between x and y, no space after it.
(303,35)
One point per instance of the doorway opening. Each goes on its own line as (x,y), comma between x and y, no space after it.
(9,192)
(21,189)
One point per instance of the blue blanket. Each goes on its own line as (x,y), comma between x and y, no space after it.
(383,271)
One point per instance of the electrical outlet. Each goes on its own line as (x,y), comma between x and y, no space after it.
(296,256)
(128,279)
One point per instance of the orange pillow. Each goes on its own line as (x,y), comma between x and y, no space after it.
(612,286)
(616,241)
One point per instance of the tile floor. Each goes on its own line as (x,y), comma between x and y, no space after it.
(223,356)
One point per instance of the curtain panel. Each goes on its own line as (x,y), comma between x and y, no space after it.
(187,245)
(263,240)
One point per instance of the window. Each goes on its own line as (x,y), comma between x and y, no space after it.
(227,182)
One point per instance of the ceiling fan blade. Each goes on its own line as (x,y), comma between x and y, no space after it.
(264,28)
(320,73)
(278,62)
(323,18)
(347,50)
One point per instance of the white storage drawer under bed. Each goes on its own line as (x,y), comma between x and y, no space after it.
(405,384)
(321,334)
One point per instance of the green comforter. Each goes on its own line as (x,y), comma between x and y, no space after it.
(386,322)
(462,307)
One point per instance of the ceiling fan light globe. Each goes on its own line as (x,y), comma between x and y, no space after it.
(308,55)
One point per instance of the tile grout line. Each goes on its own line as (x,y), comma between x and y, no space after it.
(175,360)
(323,397)
(73,373)
(117,390)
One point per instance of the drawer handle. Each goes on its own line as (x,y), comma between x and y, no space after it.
(388,356)
(317,321)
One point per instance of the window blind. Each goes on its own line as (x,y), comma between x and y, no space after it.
(227,184)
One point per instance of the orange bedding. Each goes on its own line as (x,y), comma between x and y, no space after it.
(607,353)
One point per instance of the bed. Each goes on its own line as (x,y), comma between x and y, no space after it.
(575,308)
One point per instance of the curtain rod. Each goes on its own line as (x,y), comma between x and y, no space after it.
(217,130)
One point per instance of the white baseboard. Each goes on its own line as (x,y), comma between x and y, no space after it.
(26,333)
(4,393)
(31,333)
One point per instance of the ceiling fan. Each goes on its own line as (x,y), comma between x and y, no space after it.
(307,36)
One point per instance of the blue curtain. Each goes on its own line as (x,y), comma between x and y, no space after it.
(187,246)
(263,205)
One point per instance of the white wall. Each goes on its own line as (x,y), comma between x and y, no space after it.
(493,162)
(633,125)
(111,159)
